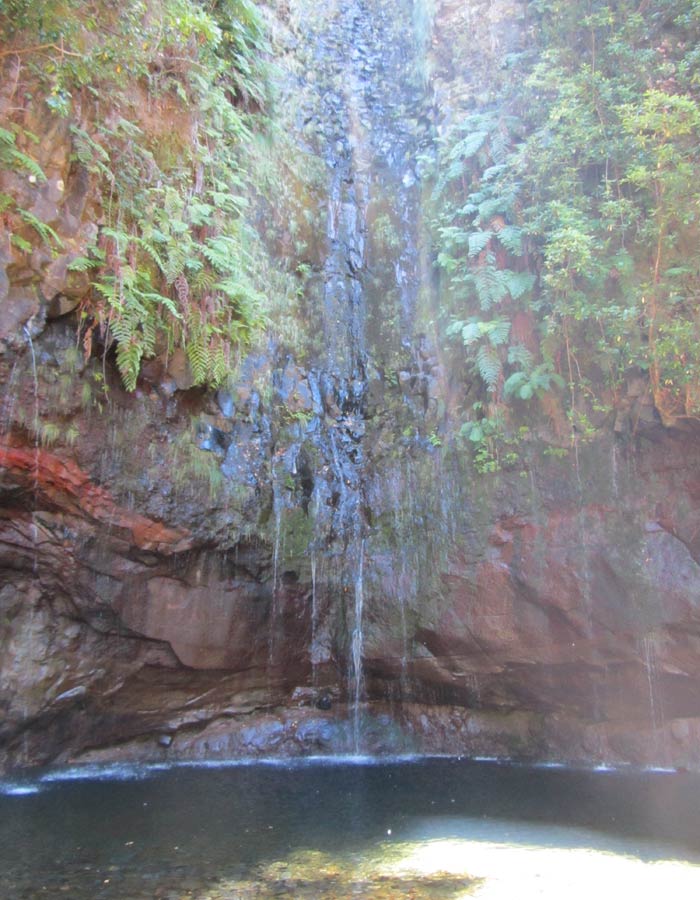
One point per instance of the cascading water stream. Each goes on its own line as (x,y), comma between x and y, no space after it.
(276,551)
(656,712)
(358,651)
(363,56)
(36,428)
(314,619)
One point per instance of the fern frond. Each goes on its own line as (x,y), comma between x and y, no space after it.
(497,331)
(478,242)
(45,232)
(518,283)
(488,365)
(469,146)
(519,355)
(491,286)
(512,239)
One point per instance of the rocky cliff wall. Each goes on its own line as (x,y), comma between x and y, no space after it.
(309,561)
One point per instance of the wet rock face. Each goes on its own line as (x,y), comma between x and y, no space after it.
(550,614)
(187,574)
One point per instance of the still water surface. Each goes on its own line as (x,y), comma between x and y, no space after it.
(439,828)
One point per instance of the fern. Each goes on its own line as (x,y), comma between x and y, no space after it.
(83,264)
(512,239)
(198,355)
(45,231)
(14,159)
(501,142)
(488,365)
(519,283)
(49,433)
(491,285)
(21,244)
(469,146)
(471,332)
(478,242)
(129,356)
(519,355)
(497,331)
(220,251)
(173,265)
(91,154)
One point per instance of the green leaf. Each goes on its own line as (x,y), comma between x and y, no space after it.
(514,383)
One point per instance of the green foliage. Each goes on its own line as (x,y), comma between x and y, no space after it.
(12,158)
(485,432)
(16,218)
(528,384)
(176,261)
(587,176)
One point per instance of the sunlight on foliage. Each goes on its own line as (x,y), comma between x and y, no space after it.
(176,257)
(576,202)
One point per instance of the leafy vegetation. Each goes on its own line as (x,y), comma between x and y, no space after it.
(566,219)
(162,97)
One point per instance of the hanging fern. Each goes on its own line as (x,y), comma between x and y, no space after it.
(478,242)
(491,285)
(12,158)
(488,365)
(177,261)
(511,237)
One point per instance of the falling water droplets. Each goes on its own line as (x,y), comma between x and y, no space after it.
(358,649)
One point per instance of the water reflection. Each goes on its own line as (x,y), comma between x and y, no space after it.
(418,829)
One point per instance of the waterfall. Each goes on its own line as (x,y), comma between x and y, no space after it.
(277,542)
(314,619)
(358,650)
(650,667)
(364,98)
(36,428)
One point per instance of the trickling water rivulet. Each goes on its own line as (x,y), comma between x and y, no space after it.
(362,103)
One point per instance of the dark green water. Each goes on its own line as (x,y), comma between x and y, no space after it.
(439,828)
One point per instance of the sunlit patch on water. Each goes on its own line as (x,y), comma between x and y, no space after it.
(531,863)
(535,868)
(312,875)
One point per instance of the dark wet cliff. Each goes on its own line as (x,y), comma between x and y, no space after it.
(308,560)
